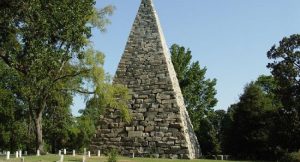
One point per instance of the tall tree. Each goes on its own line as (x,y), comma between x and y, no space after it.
(251,133)
(57,121)
(81,132)
(227,140)
(208,138)
(199,97)
(13,123)
(216,118)
(198,92)
(47,44)
(94,108)
(285,67)
(255,118)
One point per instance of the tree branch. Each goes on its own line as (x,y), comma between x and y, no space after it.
(5,59)
(298,66)
(79,91)
(8,62)
(70,75)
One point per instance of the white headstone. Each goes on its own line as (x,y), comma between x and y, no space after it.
(65,151)
(17,154)
(20,153)
(89,154)
(74,153)
(226,157)
(99,153)
(59,152)
(38,153)
(84,151)
(61,158)
(133,155)
(25,153)
(7,155)
(83,159)
(221,157)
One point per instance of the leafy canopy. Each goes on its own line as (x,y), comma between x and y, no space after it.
(285,67)
(46,43)
(198,92)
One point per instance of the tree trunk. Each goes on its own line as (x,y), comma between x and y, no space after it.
(39,132)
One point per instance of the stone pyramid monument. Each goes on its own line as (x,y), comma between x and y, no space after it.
(161,125)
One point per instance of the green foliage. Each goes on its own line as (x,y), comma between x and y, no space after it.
(112,156)
(94,108)
(38,41)
(285,67)
(217,117)
(248,124)
(46,49)
(207,136)
(291,157)
(199,97)
(57,120)
(198,92)
(80,133)
(99,17)
(265,123)
(227,130)
(249,120)
(268,85)
(13,126)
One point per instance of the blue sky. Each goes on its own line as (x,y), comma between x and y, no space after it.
(229,37)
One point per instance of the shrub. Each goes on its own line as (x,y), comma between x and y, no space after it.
(291,157)
(112,155)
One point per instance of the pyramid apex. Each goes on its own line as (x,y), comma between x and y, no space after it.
(146,1)
(147,4)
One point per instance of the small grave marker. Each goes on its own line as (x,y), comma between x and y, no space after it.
(61,158)
(38,153)
(7,155)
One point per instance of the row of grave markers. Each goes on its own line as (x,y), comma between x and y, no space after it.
(74,152)
(18,154)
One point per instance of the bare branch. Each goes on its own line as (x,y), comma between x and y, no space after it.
(84,92)
(79,91)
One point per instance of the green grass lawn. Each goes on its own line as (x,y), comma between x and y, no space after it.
(69,158)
